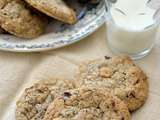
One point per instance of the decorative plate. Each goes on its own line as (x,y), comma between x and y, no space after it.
(58,34)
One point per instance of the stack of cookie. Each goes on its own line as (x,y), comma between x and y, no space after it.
(104,89)
(23,18)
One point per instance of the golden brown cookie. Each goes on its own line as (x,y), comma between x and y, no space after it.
(87,104)
(19,20)
(118,75)
(33,103)
(57,9)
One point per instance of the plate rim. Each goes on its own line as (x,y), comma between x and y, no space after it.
(100,20)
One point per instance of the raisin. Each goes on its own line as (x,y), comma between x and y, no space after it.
(107,57)
(122,118)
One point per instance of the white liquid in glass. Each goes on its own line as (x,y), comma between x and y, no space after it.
(133,29)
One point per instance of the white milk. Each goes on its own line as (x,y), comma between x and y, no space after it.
(133,29)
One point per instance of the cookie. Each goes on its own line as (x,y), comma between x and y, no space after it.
(87,104)
(17,19)
(57,9)
(118,75)
(34,101)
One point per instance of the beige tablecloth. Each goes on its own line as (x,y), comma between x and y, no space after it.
(19,70)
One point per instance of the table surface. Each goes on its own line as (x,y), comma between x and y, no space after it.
(19,70)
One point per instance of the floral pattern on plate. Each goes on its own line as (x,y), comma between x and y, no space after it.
(58,34)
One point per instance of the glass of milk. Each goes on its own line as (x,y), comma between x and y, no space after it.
(131,27)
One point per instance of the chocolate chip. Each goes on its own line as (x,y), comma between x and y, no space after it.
(107,106)
(98,107)
(67,94)
(124,73)
(113,103)
(134,64)
(107,57)
(133,95)
(137,81)
(122,118)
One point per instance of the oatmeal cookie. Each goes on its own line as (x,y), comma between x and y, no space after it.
(33,103)
(87,104)
(17,19)
(118,75)
(57,9)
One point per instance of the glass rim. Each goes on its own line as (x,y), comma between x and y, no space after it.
(108,5)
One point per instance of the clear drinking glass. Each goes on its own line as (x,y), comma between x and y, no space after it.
(131,27)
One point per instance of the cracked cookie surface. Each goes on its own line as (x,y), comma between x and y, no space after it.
(57,9)
(33,103)
(118,75)
(87,104)
(17,19)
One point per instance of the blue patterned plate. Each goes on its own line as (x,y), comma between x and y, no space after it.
(58,34)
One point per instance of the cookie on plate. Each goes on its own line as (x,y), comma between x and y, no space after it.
(87,104)
(19,20)
(34,101)
(57,9)
(118,75)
